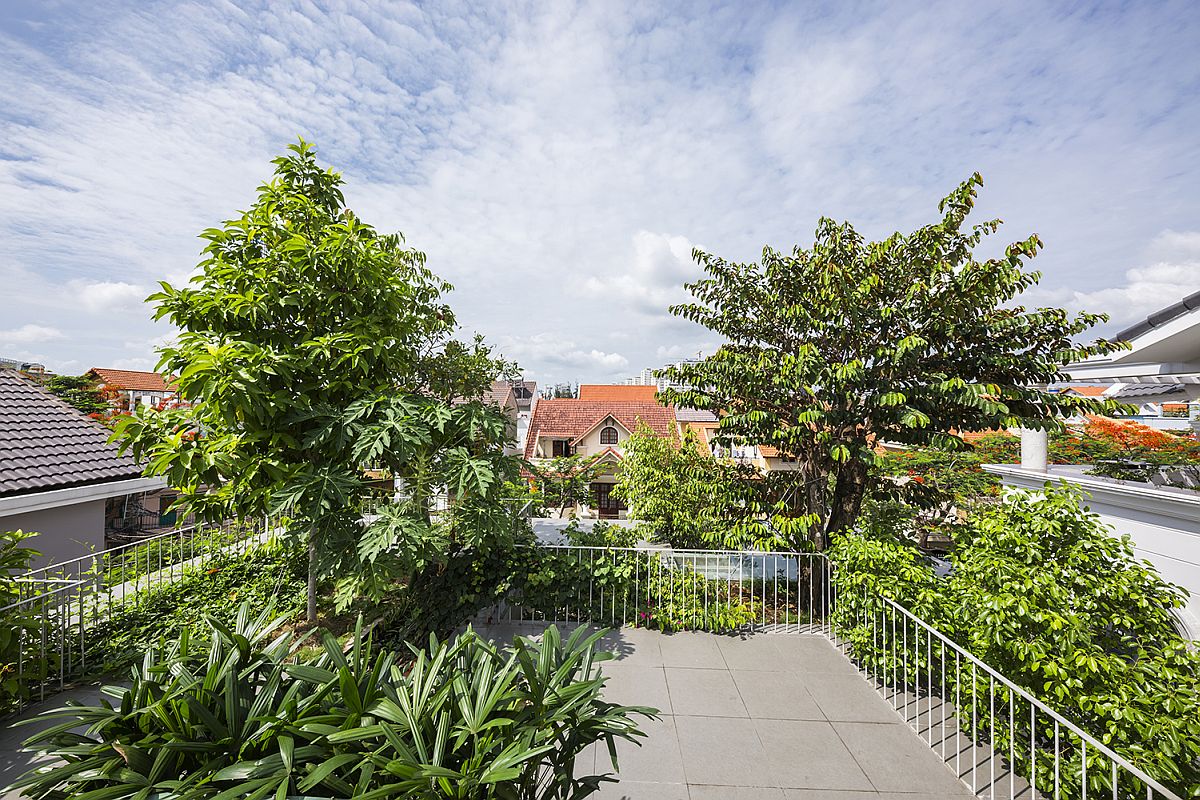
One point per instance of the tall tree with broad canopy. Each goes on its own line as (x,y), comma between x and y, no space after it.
(311,345)
(831,349)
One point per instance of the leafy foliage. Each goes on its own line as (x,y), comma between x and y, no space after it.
(240,718)
(833,347)
(18,669)
(270,575)
(680,493)
(1052,600)
(565,482)
(310,345)
(80,392)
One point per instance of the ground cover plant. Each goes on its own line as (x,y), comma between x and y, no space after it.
(270,574)
(238,715)
(1052,600)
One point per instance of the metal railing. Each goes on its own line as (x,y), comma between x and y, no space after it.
(59,604)
(997,737)
(710,590)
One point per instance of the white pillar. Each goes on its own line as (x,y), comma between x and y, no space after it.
(1035,450)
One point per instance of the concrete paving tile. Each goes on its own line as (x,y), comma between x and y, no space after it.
(633,647)
(642,790)
(735,792)
(636,686)
(751,652)
(775,695)
(704,693)
(848,698)
(657,758)
(722,751)
(807,754)
(687,649)
(826,794)
(896,760)
(808,654)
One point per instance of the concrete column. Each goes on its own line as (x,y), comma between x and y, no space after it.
(1035,450)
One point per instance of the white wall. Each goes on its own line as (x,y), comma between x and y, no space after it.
(65,532)
(1163,524)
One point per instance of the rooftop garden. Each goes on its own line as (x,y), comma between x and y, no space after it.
(323,655)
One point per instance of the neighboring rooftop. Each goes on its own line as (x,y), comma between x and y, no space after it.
(130,379)
(694,415)
(46,444)
(1148,390)
(610,392)
(570,418)
(1165,348)
(1161,317)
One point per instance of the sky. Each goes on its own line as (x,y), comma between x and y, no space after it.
(558,162)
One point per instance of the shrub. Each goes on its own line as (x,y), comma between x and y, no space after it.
(239,718)
(1053,601)
(18,670)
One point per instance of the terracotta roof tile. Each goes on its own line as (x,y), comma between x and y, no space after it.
(619,393)
(573,418)
(130,379)
(46,444)
(1086,391)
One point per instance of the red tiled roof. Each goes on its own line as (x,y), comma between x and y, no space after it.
(1087,391)
(573,418)
(619,393)
(130,379)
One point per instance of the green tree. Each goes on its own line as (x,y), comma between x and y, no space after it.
(80,392)
(310,344)
(831,348)
(566,481)
(682,494)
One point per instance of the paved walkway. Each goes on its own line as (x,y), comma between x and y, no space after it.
(756,718)
(761,717)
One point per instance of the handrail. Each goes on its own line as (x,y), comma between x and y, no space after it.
(1087,741)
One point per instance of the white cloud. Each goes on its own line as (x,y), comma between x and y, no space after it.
(659,267)
(108,296)
(561,354)
(141,364)
(1147,290)
(542,154)
(29,334)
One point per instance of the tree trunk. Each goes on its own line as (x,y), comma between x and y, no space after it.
(312,576)
(848,495)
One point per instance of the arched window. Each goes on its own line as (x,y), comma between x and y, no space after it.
(608,435)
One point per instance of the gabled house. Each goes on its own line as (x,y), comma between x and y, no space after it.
(59,476)
(130,388)
(598,428)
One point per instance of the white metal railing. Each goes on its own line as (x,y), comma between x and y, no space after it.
(57,605)
(668,588)
(996,736)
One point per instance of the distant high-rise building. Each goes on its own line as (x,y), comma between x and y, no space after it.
(646,376)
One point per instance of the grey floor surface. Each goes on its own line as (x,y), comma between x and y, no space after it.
(741,718)
(757,717)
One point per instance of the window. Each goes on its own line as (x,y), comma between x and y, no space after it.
(562,448)
(608,435)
